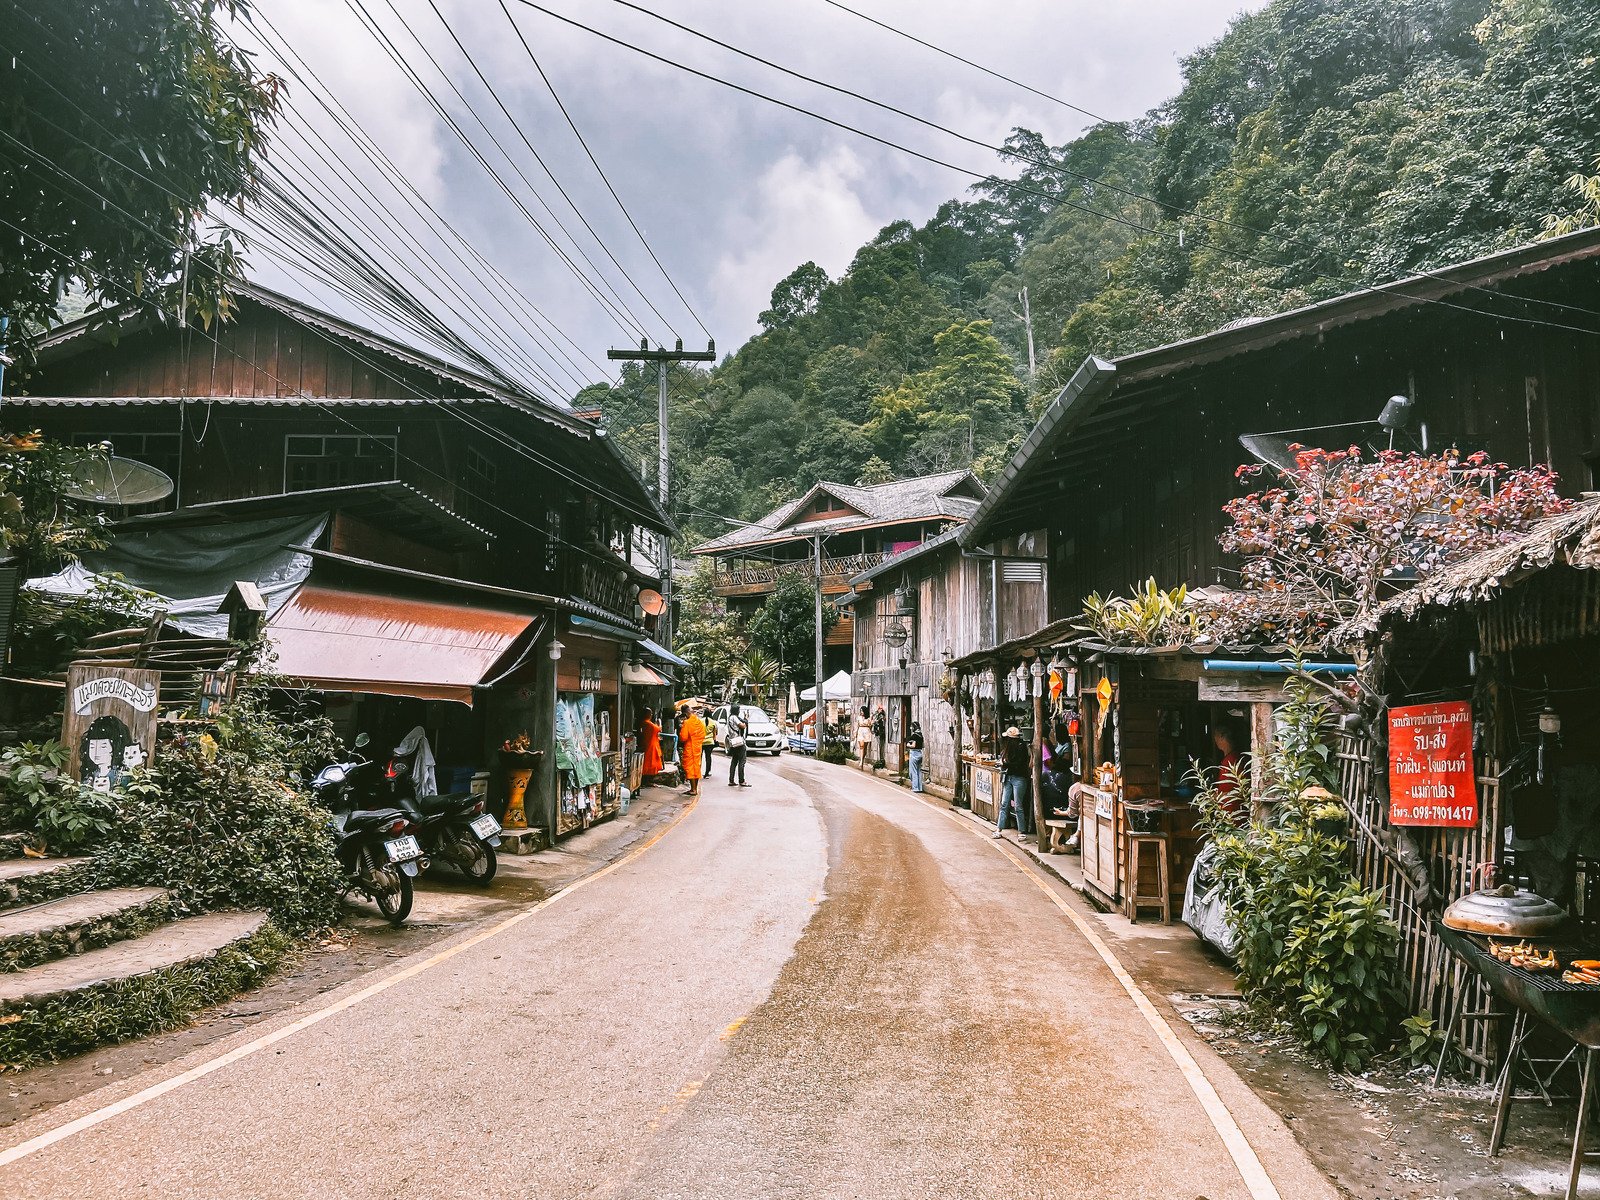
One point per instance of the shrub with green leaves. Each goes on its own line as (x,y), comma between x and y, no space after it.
(38,796)
(1315,947)
(226,821)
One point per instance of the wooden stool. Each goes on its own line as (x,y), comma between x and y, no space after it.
(1136,899)
(1058,835)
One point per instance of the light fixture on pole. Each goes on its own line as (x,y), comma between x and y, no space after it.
(555,650)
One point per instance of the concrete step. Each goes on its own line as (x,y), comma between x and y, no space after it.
(31,880)
(11,844)
(177,944)
(75,924)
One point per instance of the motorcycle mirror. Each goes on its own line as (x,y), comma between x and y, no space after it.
(362,739)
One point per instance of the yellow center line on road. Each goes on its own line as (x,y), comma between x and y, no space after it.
(1244,1156)
(128,1103)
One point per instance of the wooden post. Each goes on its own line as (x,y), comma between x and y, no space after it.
(1039,814)
(1260,746)
(957,722)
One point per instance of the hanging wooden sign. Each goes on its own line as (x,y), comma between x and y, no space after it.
(109,726)
(1432,780)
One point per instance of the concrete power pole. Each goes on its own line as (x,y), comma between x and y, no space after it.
(817,561)
(662,358)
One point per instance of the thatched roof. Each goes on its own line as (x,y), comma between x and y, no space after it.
(1572,538)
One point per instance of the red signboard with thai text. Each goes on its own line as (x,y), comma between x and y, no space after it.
(1432,780)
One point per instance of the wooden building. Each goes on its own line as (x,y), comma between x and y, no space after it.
(1128,469)
(859,527)
(918,611)
(432,507)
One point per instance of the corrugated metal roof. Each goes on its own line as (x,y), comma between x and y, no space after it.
(1097,380)
(344,640)
(922,497)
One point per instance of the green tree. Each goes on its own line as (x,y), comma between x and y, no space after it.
(119,124)
(707,636)
(785,626)
(795,296)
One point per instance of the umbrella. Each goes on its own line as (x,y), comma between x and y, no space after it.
(837,688)
(696,701)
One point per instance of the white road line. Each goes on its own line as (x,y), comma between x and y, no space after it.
(128,1103)
(1244,1156)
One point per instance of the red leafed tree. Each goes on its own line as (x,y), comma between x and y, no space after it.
(1327,540)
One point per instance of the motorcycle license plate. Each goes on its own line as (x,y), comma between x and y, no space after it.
(401,849)
(485,826)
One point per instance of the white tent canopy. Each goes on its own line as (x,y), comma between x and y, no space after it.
(837,688)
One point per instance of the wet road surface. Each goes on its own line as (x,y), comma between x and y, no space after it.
(818,986)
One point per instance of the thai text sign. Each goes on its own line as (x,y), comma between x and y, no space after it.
(1431,776)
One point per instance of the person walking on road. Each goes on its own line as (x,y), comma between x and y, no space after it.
(650,745)
(734,735)
(914,748)
(864,737)
(1016,761)
(691,746)
(710,742)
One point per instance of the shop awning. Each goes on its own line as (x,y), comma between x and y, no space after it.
(656,650)
(604,629)
(639,675)
(343,640)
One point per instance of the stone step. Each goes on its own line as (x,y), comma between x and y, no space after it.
(31,880)
(75,924)
(177,944)
(11,844)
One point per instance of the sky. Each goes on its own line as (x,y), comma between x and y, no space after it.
(730,192)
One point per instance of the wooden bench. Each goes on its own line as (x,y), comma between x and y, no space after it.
(1058,835)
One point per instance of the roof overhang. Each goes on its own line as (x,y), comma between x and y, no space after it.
(366,640)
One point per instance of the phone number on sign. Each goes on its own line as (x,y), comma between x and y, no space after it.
(1439,812)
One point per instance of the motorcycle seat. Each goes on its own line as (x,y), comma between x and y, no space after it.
(371,816)
(447,802)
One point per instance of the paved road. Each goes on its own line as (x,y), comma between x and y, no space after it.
(815,987)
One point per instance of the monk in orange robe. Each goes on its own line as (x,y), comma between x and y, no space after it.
(691,740)
(650,743)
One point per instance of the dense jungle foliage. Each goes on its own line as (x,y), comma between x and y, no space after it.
(1316,146)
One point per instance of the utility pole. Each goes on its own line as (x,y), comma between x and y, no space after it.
(817,561)
(5,356)
(663,357)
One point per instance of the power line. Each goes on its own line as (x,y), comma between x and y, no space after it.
(338,416)
(612,300)
(1046,164)
(521,134)
(1026,189)
(419,203)
(431,332)
(573,125)
(510,443)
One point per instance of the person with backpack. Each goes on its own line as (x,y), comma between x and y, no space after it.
(735,732)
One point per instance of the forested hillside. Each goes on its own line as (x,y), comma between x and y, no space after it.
(1318,145)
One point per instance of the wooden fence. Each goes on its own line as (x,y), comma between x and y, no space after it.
(1436,983)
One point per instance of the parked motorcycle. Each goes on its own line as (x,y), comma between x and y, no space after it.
(453,827)
(379,848)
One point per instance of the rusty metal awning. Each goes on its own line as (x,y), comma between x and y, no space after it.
(639,675)
(343,640)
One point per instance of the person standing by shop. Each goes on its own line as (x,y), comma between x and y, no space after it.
(691,750)
(915,743)
(1016,761)
(734,734)
(864,737)
(650,745)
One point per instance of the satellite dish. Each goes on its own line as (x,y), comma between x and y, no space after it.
(1270,448)
(112,480)
(652,602)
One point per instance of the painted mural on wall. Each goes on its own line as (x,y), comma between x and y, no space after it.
(110,723)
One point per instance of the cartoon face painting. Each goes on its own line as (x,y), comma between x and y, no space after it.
(107,753)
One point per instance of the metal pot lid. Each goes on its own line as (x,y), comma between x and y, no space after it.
(1505,910)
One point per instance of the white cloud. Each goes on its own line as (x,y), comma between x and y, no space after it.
(799,210)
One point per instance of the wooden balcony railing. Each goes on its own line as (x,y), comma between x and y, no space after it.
(834,568)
